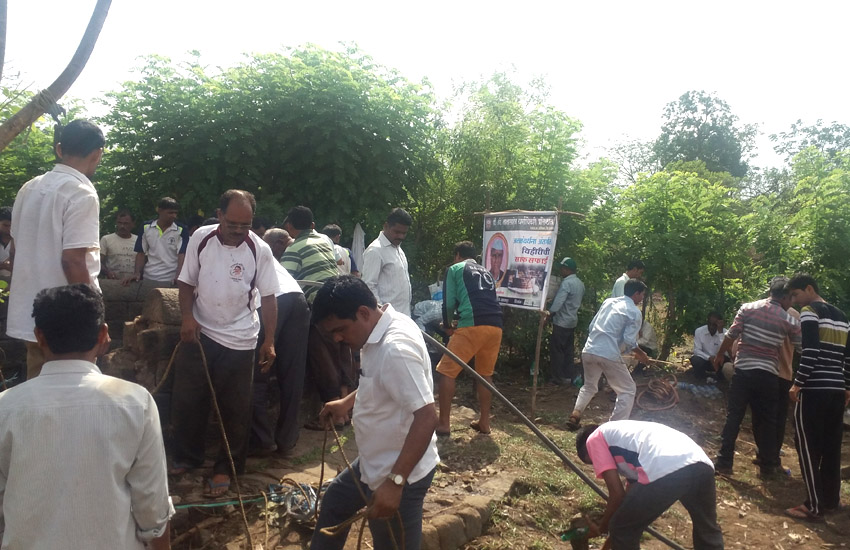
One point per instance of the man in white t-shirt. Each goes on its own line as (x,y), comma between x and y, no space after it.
(345,261)
(385,265)
(161,246)
(117,250)
(661,466)
(226,266)
(394,419)
(55,231)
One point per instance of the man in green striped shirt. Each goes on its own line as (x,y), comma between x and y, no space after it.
(330,366)
(311,256)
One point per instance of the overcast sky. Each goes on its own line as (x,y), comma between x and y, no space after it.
(612,65)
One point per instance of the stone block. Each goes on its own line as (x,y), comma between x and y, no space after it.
(114,291)
(134,309)
(472,521)
(482,505)
(120,363)
(430,537)
(162,305)
(452,531)
(155,343)
(129,336)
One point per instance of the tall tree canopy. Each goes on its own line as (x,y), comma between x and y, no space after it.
(701,126)
(333,131)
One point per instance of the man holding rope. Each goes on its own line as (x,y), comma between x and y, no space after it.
(616,325)
(394,420)
(225,266)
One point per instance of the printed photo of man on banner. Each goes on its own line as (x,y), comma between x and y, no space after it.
(519,250)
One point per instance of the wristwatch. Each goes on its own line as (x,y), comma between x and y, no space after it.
(398,479)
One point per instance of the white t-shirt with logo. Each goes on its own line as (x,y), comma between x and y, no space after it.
(119,252)
(224,298)
(162,247)
(53,212)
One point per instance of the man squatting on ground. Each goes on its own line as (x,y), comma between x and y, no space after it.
(661,465)
(225,266)
(394,418)
(616,325)
(471,291)
(82,463)
(821,391)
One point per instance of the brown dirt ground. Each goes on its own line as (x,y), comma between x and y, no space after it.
(530,516)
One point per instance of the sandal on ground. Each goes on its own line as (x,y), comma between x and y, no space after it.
(215,490)
(801,512)
(477,427)
(574,422)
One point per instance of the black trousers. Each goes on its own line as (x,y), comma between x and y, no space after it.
(693,485)
(231,372)
(293,326)
(561,352)
(758,389)
(702,367)
(818,419)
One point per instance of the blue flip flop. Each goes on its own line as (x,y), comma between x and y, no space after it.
(210,491)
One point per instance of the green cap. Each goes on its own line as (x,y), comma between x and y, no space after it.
(569,263)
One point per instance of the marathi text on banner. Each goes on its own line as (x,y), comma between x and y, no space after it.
(519,250)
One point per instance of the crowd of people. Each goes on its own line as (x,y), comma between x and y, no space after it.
(262,303)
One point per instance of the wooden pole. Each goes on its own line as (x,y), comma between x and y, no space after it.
(543,317)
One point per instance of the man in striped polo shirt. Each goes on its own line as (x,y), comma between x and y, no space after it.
(330,365)
(762,326)
(821,390)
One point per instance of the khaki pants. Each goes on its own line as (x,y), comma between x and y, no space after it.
(35,360)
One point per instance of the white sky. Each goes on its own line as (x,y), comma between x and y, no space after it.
(613,65)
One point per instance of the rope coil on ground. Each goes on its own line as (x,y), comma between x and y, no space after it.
(659,395)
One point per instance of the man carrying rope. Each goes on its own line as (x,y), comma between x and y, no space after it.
(394,420)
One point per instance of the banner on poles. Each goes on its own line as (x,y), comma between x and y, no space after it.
(519,250)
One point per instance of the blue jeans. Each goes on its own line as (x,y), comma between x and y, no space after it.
(342,500)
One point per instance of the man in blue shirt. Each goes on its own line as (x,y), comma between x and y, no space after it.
(615,326)
(564,312)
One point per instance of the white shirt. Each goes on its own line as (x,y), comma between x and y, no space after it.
(615,327)
(53,212)
(82,463)
(647,337)
(620,286)
(341,253)
(119,252)
(385,271)
(224,303)
(706,345)
(395,382)
(287,282)
(4,255)
(162,248)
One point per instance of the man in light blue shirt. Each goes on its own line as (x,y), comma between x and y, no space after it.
(615,327)
(564,312)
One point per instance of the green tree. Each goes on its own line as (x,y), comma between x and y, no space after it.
(334,131)
(29,154)
(684,222)
(701,126)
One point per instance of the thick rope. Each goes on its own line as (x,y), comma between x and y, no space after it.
(362,515)
(662,392)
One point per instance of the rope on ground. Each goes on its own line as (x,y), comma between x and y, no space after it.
(546,441)
(659,395)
